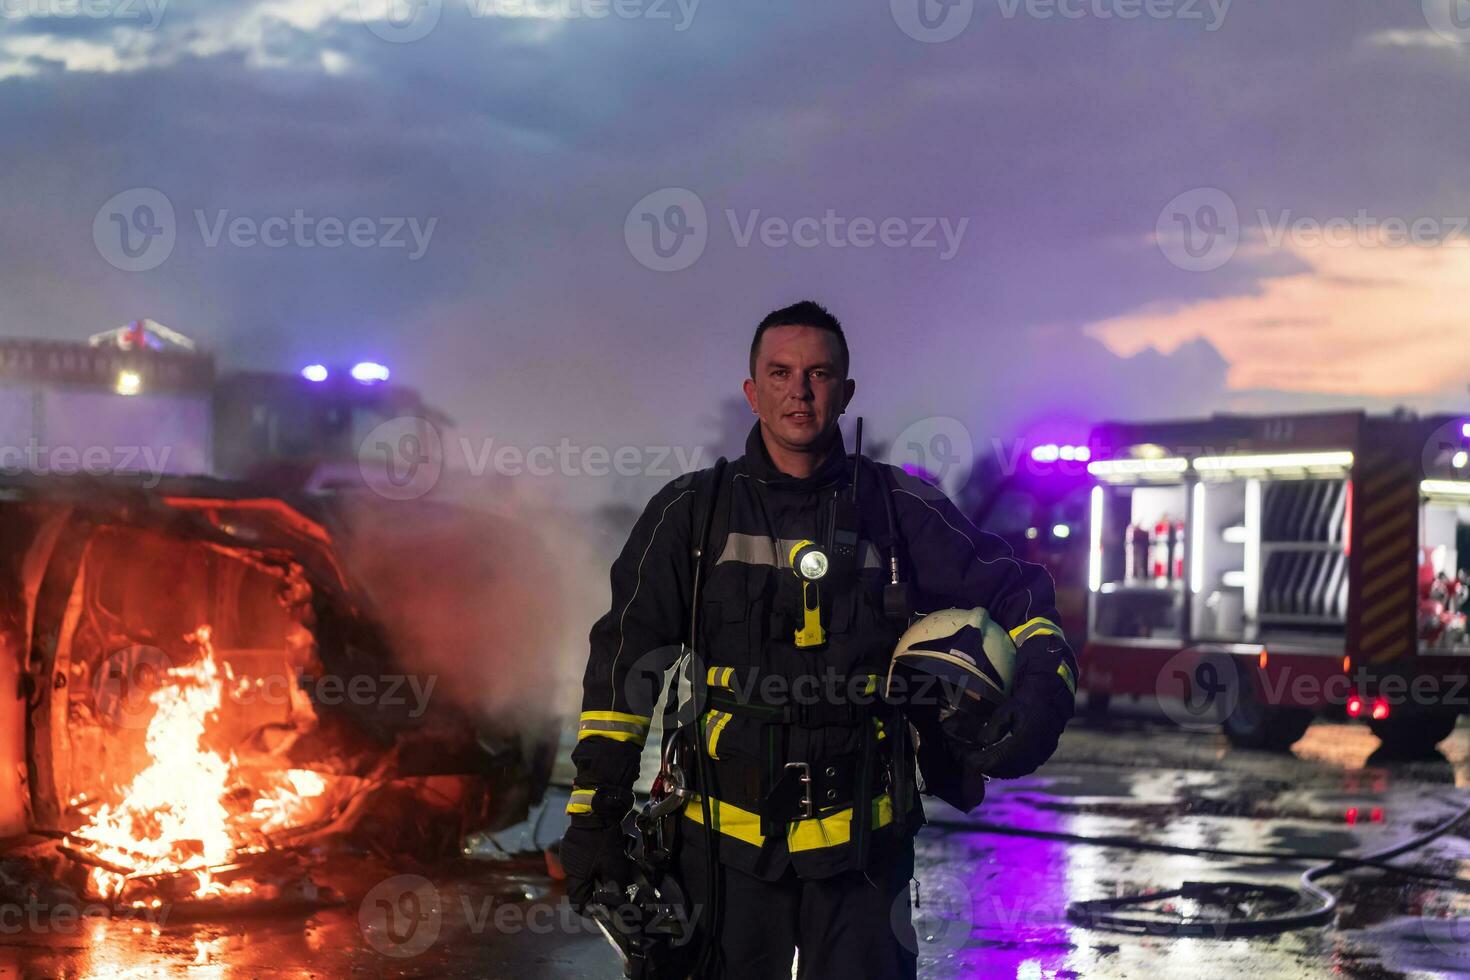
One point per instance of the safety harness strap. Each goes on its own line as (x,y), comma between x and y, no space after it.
(814,714)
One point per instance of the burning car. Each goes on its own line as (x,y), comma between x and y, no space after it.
(204,683)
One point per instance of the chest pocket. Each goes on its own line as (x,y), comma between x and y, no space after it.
(858,607)
(735,604)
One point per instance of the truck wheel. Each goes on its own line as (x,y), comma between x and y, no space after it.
(1253,725)
(1096,705)
(1414,734)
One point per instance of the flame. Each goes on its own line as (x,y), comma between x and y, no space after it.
(184,812)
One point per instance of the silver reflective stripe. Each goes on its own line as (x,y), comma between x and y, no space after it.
(757,549)
(613,726)
(1032,630)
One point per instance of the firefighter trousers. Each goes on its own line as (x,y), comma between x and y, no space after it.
(845,926)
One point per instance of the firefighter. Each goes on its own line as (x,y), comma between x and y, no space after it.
(810,778)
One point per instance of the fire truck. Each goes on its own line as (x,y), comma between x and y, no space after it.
(1264,571)
(143,398)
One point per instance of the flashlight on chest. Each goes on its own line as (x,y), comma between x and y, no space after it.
(811,564)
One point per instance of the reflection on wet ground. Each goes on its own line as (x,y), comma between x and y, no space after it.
(990,904)
(1139,778)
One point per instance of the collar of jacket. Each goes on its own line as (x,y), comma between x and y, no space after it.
(830,472)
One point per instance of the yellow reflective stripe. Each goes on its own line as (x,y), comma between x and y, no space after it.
(604,730)
(801,835)
(581,801)
(878,724)
(721,719)
(1038,626)
(1067,678)
(617,716)
(872,684)
(616,725)
(720,676)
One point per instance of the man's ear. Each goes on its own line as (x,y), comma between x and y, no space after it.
(848,388)
(750,395)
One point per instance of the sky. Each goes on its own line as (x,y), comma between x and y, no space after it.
(562,219)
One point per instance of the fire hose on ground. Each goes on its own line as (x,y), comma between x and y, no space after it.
(1108,914)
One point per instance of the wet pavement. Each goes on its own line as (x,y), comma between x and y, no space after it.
(990,904)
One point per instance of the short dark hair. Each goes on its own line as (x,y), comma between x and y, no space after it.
(804,314)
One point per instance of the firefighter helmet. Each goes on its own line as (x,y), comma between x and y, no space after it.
(953,666)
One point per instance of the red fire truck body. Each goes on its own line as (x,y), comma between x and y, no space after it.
(1272,569)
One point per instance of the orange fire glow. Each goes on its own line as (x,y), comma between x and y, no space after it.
(193,810)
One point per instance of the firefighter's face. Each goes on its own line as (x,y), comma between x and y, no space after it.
(800,386)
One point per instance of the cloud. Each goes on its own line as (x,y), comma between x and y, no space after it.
(1414,39)
(530,139)
(1366,318)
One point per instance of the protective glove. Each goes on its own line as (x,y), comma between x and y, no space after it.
(1026,729)
(594,850)
(942,763)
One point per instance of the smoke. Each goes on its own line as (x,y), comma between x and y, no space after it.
(491,598)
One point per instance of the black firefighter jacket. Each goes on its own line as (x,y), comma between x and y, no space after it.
(750,608)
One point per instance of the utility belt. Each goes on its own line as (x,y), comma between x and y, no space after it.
(783,792)
(802,714)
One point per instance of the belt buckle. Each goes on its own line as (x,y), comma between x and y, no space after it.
(808,808)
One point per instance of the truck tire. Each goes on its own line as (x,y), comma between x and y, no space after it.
(1095,708)
(1414,734)
(1253,725)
